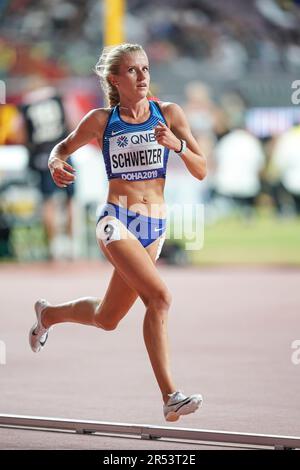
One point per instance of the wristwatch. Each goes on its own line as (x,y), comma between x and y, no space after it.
(182,149)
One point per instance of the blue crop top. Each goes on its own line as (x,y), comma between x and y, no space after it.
(131,151)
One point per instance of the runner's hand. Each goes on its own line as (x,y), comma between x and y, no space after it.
(61,172)
(165,137)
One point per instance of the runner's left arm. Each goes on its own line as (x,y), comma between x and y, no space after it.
(179,128)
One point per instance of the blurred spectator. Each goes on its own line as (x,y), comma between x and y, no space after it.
(233,112)
(285,162)
(203,116)
(44,125)
(199,108)
(239,159)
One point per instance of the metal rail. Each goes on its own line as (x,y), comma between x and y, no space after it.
(146,431)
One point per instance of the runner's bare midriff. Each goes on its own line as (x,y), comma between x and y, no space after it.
(144,197)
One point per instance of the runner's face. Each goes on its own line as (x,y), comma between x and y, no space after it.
(134,77)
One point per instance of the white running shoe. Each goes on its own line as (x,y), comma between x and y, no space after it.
(38,333)
(179,404)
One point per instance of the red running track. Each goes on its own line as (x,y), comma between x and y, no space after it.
(230,333)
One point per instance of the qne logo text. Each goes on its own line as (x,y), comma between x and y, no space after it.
(142,138)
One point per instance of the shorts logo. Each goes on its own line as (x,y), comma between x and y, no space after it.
(122,141)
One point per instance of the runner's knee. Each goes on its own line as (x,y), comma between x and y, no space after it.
(105,324)
(106,318)
(159,300)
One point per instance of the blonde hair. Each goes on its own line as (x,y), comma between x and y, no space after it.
(109,63)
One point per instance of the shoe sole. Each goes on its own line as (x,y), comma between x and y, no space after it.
(190,407)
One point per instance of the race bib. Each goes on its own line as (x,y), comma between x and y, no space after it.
(135,152)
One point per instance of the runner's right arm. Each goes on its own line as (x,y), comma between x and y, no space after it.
(90,127)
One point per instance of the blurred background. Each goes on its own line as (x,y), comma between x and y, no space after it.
(233,66)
